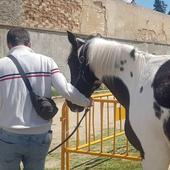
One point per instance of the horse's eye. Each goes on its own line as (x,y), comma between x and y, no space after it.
(81,59)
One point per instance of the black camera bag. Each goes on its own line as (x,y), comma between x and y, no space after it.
(45,107)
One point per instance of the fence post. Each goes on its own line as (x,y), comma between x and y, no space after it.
(63,130)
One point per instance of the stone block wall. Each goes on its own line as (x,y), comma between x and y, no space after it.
(44,14)
(11,12)
(111,18)
(52,14)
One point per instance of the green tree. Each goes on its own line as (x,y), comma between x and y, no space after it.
(160,6)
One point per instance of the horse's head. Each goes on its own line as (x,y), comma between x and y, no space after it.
(81,76)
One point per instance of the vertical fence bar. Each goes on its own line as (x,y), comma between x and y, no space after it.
(101,118)
(77,133)
(120,117)
(67,143)
(63,129)
(114,127)
(93,118)
(86,136)
(108,118)
(89,134)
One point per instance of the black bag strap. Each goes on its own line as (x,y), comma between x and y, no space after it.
(22,73)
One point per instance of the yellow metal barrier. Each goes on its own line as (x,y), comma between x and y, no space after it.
(100,134)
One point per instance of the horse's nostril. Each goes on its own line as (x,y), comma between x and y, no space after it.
(74,107)
(77,109)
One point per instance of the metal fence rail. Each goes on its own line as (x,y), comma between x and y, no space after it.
(100,134)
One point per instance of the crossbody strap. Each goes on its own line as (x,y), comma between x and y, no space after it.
(22,73)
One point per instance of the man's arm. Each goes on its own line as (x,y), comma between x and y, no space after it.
(65,89)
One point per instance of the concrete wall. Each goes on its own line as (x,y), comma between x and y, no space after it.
(56,45)
(48,21)
(53,44)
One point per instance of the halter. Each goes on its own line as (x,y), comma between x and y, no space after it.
(82,60)
(83,64)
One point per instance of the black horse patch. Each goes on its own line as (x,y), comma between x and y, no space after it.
(161,89)
(161,85)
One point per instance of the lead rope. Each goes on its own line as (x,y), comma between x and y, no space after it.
(71,134)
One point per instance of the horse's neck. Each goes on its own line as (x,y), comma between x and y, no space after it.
(112,61)
(123,79)
(118,89)
(125,67)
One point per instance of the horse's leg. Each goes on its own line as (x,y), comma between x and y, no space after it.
(133,139)
(153,161)
(157,152)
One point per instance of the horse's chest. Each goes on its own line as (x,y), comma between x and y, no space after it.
(141,112)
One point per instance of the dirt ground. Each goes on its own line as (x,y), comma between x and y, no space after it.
(56,124)
(53,162)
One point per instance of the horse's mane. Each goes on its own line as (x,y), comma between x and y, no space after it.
(105,54)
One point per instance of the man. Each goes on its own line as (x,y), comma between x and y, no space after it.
(24,136)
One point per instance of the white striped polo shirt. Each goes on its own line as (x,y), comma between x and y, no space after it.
(16,111)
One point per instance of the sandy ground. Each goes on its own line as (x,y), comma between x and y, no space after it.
(54,162)
(56,124)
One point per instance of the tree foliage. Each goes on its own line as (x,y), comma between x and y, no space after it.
(160,6)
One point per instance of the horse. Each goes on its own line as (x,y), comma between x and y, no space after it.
(141,83)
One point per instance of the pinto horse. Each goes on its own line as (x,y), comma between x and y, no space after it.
(141,83)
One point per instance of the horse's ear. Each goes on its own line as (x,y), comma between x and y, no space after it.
(80,42)
(76,42)
(72,38)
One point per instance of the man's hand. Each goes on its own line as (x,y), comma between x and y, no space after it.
(91,102)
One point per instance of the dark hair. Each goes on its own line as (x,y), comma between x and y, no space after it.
(18,36)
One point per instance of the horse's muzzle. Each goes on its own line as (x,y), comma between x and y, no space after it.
(74,107)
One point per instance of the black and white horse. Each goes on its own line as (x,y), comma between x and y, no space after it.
(141,83)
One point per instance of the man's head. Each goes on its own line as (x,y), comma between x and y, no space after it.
(18,36)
